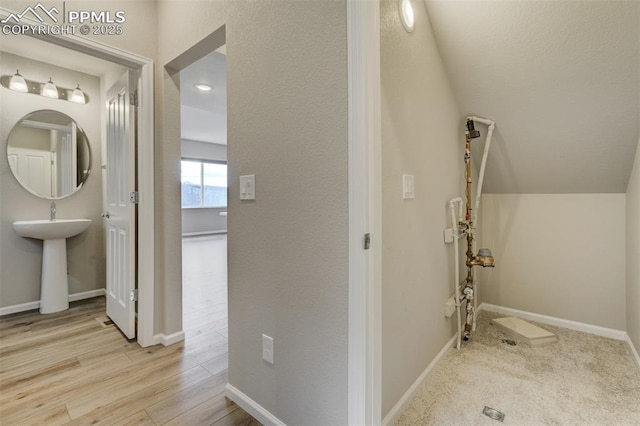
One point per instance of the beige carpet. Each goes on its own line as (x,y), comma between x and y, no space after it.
(580,380)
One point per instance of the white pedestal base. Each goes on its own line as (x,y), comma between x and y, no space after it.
(54,289)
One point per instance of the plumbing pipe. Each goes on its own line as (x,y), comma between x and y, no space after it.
(487,143)
(456,235)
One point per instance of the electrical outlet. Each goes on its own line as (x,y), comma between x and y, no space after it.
(267,348)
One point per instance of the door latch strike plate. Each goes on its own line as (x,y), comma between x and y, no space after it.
(133,296)
(367,241)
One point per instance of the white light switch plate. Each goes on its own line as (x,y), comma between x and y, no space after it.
(408,187)
(248,187)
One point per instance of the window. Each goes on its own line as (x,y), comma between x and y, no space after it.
(204,184)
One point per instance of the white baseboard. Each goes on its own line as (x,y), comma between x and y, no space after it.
(170,339)
(558,322)
(633,350)
(198,234)
(87,294)
(252,407)
(30,306)
(406,399)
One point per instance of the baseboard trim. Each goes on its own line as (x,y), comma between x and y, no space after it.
(30,306)
(87,294)
(202,233)
(633,350)
(406,399)
(250,406)
(559,322)
(170,339)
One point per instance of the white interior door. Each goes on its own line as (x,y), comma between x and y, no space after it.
(33,167)
(120,211)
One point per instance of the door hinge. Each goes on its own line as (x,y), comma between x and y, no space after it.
(367,241)
(134,197)
(133,98)
(133,296)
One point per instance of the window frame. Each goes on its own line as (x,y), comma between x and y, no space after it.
(202,161)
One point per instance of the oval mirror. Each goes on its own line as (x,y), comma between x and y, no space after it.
(49,154)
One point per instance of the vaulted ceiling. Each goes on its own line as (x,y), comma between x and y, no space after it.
(561,79)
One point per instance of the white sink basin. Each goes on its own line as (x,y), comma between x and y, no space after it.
(51,230)
(54,288)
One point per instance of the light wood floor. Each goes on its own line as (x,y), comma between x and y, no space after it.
(68,368)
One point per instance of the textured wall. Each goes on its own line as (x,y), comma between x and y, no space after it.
(421,135)
(561,255)
(288,250)
(21,260)
(633,253)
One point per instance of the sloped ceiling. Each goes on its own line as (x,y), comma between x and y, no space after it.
(561,79)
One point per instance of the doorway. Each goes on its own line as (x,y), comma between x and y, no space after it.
(203,134)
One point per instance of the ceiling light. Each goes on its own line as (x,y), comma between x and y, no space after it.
(203,87)
(77,96)
(50,90)
(18,83)
(406,15)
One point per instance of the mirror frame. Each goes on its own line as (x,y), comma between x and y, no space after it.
(81,137)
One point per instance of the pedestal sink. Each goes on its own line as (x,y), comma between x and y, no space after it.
(54,291)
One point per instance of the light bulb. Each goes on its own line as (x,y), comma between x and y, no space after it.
(77,96)
(18,83)
(50,90)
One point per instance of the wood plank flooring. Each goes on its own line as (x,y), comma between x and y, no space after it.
(69,368)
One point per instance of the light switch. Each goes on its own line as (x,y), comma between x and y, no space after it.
(408,188)
(248,187)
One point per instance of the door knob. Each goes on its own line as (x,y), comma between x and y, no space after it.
(106,215)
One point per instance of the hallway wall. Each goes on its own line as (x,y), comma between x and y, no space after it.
(288,249)
(422,134)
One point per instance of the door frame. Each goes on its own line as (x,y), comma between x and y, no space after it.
(365,213)
(145,163)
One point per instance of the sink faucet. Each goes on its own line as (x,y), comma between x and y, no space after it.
(53,210)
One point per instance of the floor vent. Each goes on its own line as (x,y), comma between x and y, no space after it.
(492,413)
(105,322)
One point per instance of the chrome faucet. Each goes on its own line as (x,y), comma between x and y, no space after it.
(53,210)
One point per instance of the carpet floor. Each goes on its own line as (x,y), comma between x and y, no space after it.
(580,380)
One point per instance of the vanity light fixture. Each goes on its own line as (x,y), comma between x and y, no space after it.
(407,15)
(50,90)
(203,87)
(77,96)
(18,83)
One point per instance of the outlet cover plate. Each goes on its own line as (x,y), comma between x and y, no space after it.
(267,348)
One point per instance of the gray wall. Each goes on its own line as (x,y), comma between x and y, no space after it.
(203,219)
(288,250)
(421,135)
(633,253)
(21,259)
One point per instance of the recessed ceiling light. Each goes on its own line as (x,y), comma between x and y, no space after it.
(203,87)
